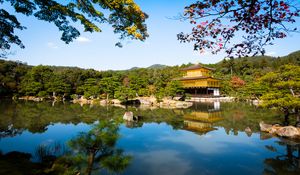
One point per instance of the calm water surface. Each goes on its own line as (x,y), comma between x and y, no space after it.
(42,138)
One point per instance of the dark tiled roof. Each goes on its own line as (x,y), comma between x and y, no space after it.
(197,66)
(195,78)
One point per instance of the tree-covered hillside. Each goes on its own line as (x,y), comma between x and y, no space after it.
(238,79)
(240,72)
(20,79)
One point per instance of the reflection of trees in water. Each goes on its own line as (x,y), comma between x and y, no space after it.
(17,163)
(287,162)
(233,117)
(96,149)
(172,117)
(10,131)
(36,117)
(238,116)
(93,151)
(133,124)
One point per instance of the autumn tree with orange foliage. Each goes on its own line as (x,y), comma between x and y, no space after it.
(237,82)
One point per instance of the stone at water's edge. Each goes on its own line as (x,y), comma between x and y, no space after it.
(104,102)
(150,101)
(143,101)
(288,131)
(283,131)
(166,103)
(248,130)
(128,116)
(115,101)
(169,103)
(265,127)
(31,98)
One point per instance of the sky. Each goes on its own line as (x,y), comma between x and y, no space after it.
(98,51)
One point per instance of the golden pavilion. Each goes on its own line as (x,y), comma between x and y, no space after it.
(197,81)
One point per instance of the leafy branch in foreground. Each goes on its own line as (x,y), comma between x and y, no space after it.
(219,25)
(125,17)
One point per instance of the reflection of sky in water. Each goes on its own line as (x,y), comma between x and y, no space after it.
(157,149)
(28,142)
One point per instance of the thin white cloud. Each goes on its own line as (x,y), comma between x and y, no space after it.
(52,45)
(83,39)
(271,53)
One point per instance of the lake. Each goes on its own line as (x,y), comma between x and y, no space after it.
(208,138)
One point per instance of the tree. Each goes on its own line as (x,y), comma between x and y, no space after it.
(125,17)
(58,87)
(283,89)
(124,93)
(90,88)
(173,88)
(258,22)
(99,146)
(286,160)
(37,81)
(11,74)
(108,85)
(237,82)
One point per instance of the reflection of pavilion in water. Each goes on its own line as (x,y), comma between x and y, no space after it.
(202,119)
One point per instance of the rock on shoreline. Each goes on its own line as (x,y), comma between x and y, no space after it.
(283,131)
(144,102)
(31,98)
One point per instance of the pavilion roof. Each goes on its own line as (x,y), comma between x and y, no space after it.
(197,66)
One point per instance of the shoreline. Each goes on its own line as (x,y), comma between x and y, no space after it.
(212,99)
(144,102)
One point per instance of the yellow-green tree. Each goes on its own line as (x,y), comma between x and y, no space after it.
(125,17)
(283,89)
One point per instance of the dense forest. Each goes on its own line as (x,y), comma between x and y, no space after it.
(19,79)
(247,77)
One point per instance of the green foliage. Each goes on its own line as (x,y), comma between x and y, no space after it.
(58,86)
(90,88)
(125,17)
(108,85)
(240,77)
(173,88)
(283,88)
(30,88)
(99,146)
(255,90)
(102,137)
(250,69)
(123,93)
(37,81)
(11,74)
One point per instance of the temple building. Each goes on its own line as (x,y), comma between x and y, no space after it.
(197,81)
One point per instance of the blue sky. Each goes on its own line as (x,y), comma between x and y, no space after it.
(97,50)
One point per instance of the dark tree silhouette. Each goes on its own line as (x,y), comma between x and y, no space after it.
(286,162)
(220,24)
